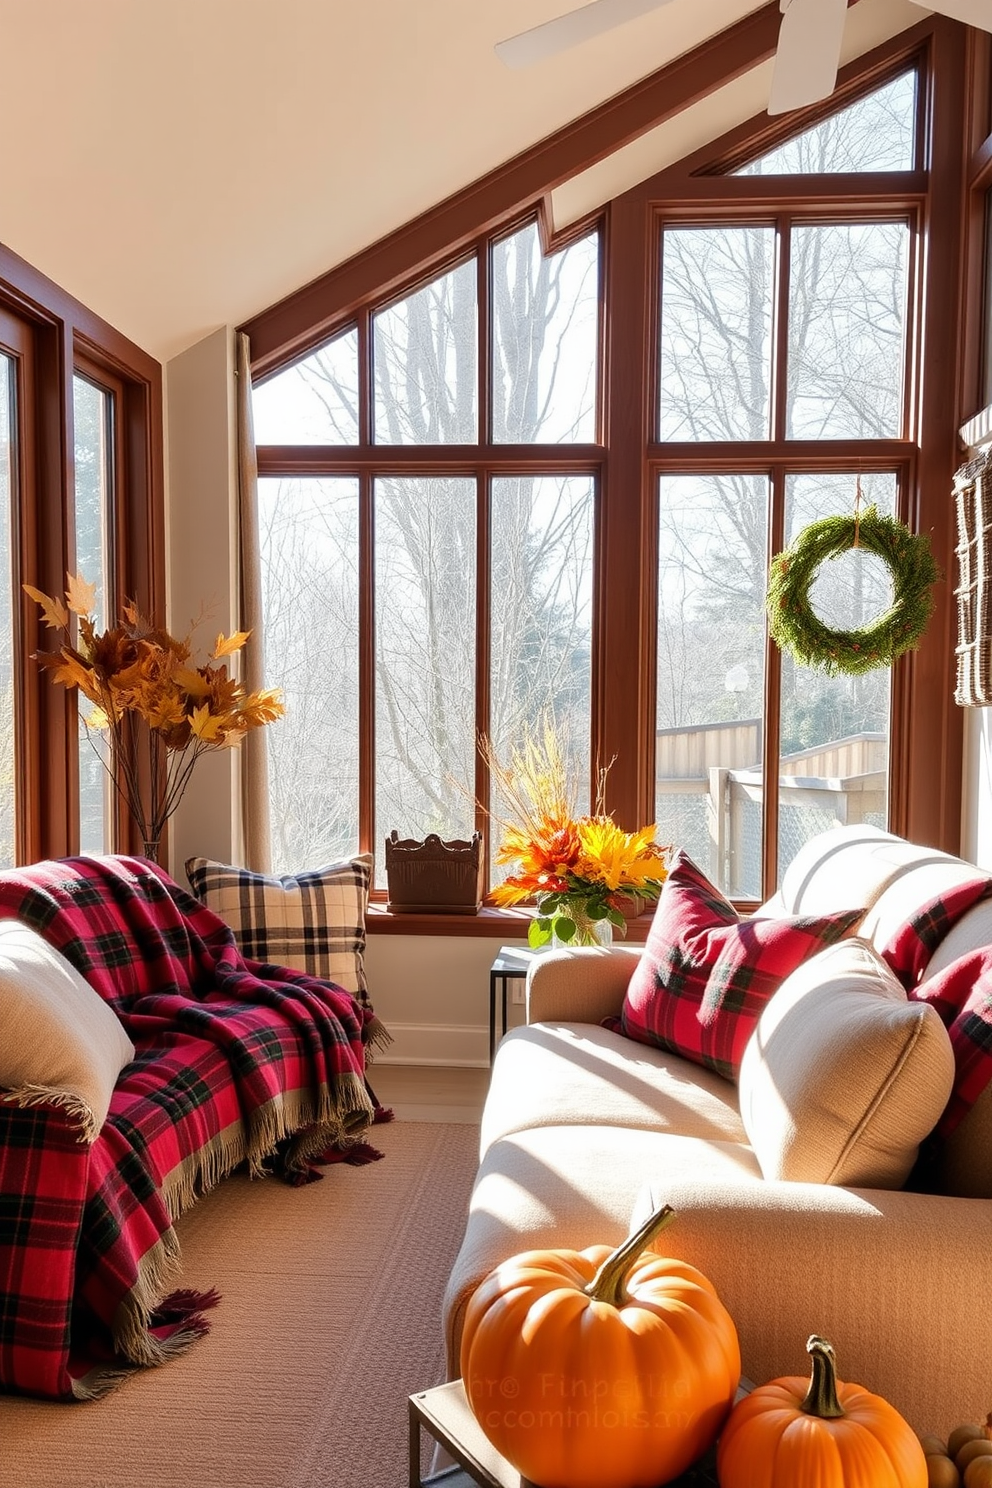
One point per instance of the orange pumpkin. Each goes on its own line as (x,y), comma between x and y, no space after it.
(600,1369)
(820,1431)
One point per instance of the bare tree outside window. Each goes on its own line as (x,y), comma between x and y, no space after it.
(313,402)
(544,346)
(310,569)
(93,414)
(545,333)
(846,297)
(716,328)
(878,133)
(425,351)
(425,588)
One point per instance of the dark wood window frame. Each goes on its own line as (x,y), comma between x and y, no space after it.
(64,336)
(925,789)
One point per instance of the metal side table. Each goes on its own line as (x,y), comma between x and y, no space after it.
(511,965)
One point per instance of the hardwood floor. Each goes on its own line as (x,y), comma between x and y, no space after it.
(419,1092)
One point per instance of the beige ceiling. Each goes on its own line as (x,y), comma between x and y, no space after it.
(179,165)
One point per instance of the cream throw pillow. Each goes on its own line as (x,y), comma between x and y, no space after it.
(59,1040)
(843,1077)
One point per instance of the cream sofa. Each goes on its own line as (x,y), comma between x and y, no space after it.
(583,1129)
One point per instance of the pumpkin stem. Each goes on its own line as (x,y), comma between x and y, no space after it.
(821,1397)
(610,1282)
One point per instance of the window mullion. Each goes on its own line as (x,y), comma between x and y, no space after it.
(483,539)
(771,732)
(772,728)
(366,595)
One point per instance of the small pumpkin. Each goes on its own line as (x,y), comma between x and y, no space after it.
(819,1431)
(600,1368)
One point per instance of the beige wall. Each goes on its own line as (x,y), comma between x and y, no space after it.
(976,813)
(432,993)
(201,564)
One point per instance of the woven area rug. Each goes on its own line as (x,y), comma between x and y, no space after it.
(329,1319)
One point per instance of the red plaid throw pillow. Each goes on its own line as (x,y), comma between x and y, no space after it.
(706,974)
(962,995)
(912,945)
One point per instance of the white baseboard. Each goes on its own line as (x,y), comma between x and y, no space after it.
(441,1043)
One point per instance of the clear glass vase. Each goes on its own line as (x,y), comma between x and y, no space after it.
(588,932)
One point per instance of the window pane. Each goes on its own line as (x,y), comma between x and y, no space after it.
(313,402)
(835,730)
(542,565)
(425,352)
(545,340)
(309,553)
(93,411)
(7,754)
(877,133)
(425,570)
(712,563)
(716,324)
(847,323)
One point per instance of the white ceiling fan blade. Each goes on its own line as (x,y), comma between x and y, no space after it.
(808,53)
(972,12)
(569,29)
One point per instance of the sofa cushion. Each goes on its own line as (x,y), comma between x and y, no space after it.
(846,865)
(312,921)
(972,931)
(581,1074)
(917,886)
(60,1041)
(910,948)
(962,995)
(705,973)
(844,1077)
(573,1186)
(963,1159)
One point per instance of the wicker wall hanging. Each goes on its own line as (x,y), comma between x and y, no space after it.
(973,499)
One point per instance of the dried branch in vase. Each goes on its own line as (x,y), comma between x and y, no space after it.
(149,695)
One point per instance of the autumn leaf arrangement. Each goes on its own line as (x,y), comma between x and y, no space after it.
(159,710)
(580,869)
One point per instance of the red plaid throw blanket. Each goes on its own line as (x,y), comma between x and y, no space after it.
(235,1060)
(961,993)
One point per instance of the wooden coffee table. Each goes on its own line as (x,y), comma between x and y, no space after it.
(446,1415)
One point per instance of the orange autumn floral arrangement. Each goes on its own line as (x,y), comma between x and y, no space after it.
(144,686)
(578,869)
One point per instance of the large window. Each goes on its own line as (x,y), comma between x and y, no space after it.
(431,578)
(557,479)
(831,300)
(80,491)
(94,410)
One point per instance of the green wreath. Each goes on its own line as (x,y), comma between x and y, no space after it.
(797,628)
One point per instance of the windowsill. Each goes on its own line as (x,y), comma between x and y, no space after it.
(976,433)
(496,924)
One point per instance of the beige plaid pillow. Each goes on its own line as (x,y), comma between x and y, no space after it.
(312,921)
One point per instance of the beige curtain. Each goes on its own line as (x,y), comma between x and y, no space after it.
(254,749)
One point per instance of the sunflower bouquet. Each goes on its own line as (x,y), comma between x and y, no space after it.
(136,673)
(579,869)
